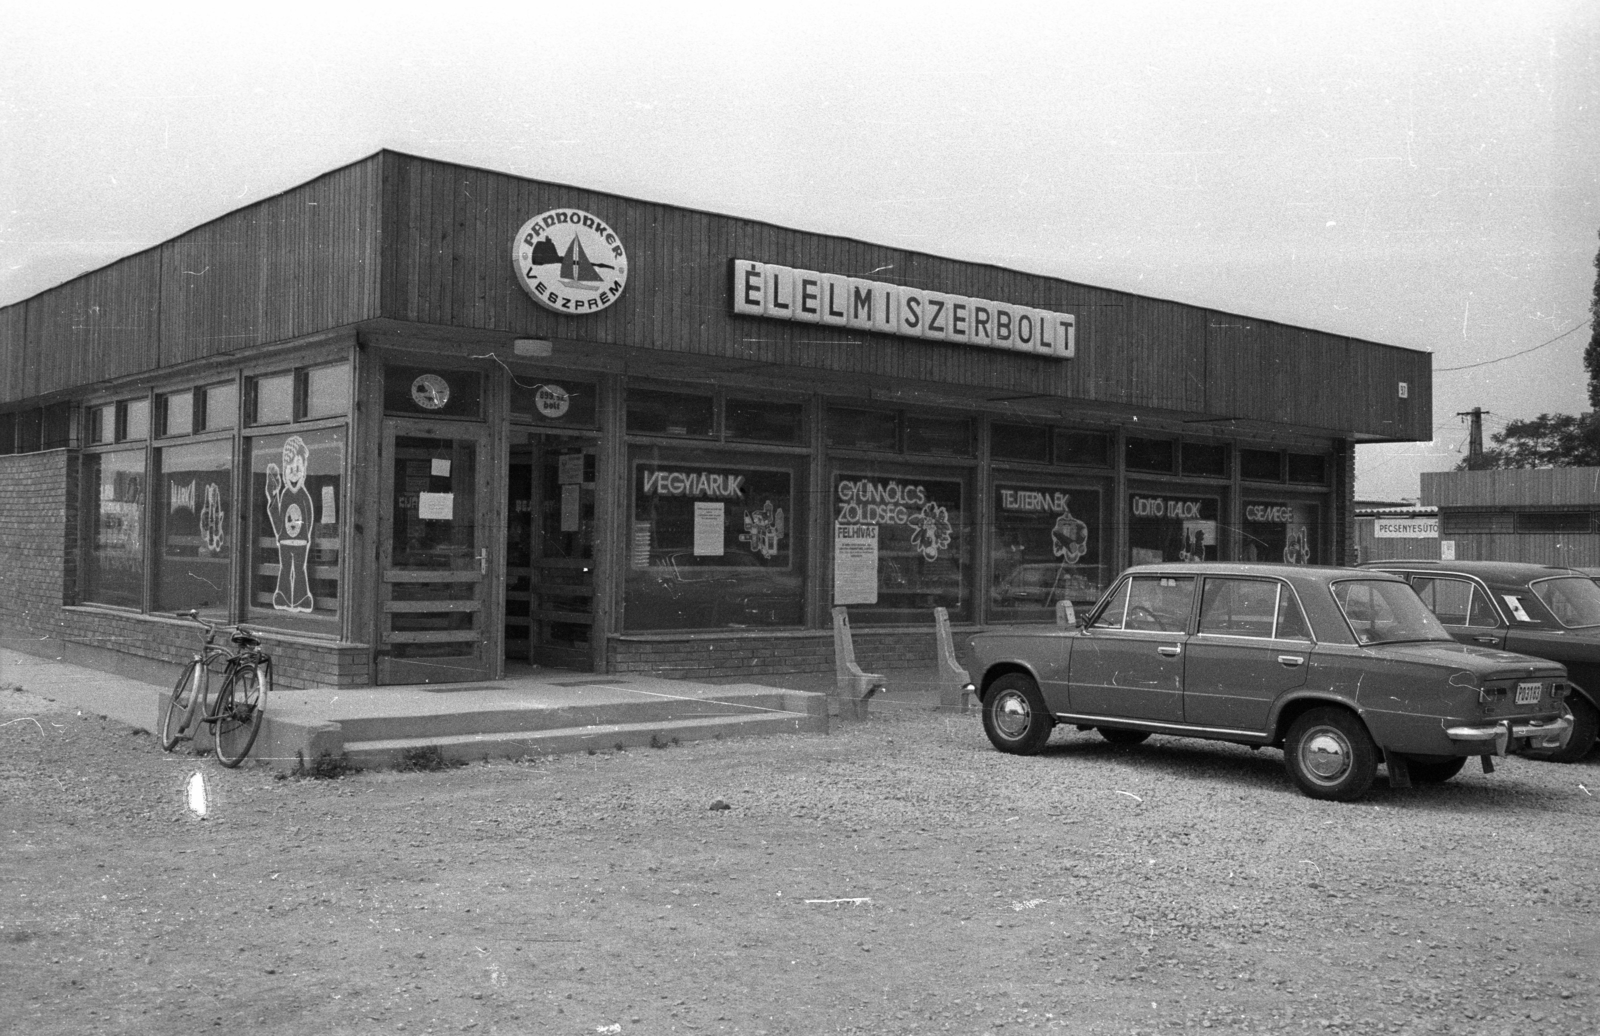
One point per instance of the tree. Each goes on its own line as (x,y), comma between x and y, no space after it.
(1546,441)
(1591,355)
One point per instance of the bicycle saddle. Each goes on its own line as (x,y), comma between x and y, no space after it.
(244,639)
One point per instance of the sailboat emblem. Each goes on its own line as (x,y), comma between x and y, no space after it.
(569,261)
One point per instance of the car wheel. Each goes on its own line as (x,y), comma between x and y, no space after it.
(1120,736)
(1581,738)
(1330,755)
(1434,769)
(1014,715)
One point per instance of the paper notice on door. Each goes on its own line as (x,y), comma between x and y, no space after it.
(571,508)
(440,468)
(437,507)
(708,528)
(330,513)
(855,564)
(569,469)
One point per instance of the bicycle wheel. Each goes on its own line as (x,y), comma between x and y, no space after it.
(177,712)
(240,706)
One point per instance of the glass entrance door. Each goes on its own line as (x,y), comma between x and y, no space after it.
(550,552)
(433,557)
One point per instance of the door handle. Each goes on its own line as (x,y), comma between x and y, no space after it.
(483,561)
(1291,661)
(1484,640)
(1170,650)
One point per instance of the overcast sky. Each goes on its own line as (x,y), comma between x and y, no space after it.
(1420,174)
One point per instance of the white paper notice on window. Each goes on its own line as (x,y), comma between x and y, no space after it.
(440,467)
(709,528)
(330,514)
(569,469)
(855,564)
(438,507)
(571,508)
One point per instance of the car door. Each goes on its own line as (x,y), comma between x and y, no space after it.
(1464,607)
(1128,661)
(1251,646)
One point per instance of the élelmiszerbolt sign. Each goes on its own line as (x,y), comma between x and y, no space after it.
(809,297)
(569,261)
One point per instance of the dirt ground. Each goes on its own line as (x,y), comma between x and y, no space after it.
(896,876)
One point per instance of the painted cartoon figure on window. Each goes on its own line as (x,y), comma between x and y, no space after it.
(764,529)
(211,520)
(1069,539)
(930,530)
(290,509)
(1298,550)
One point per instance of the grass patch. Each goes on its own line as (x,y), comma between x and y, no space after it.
(424,759)
(326,767)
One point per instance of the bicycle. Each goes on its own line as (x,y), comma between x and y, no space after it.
(235,716)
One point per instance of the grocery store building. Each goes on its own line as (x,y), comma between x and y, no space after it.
(415,420)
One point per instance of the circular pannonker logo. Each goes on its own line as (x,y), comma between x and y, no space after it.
(569,261)
(430,392)
(552,401)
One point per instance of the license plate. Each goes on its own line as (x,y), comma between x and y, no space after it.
(1528,693)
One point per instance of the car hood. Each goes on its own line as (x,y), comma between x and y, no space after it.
(1488,663)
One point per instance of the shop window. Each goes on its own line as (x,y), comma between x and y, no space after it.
(113,508)
(271,399)
(1172,528)
(764,420)
(944,436)
(1283,532)
(99,424)
(901,547)
(296,509)
(1553,521)
(55,426)
(714,545)
(1308,468)
(219,407)
(1088,449)
(570,404)
(133,420)
(1022,442)
(175,413)
(1208,459)
(325,391)
(655,412)
(193,513)
(1261,465)
(432,392)
(1048,547)
(8,434)
(863,429)
(1151,455)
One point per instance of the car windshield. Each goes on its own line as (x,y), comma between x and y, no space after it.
(1573,600)
(1385,612)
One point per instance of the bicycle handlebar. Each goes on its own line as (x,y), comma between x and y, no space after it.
(213,627)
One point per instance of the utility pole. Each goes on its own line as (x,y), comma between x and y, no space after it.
(1474,438)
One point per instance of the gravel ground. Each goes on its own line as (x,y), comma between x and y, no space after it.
(897,876)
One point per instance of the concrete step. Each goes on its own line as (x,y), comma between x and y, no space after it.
(531,716)
(599,737)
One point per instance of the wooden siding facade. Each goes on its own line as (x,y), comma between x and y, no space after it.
(296,264)
(447,234)
(428,243)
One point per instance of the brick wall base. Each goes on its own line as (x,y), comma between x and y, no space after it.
(690,656)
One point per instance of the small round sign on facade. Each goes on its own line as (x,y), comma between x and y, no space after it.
(570,262)
(430,392)
(552,401)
